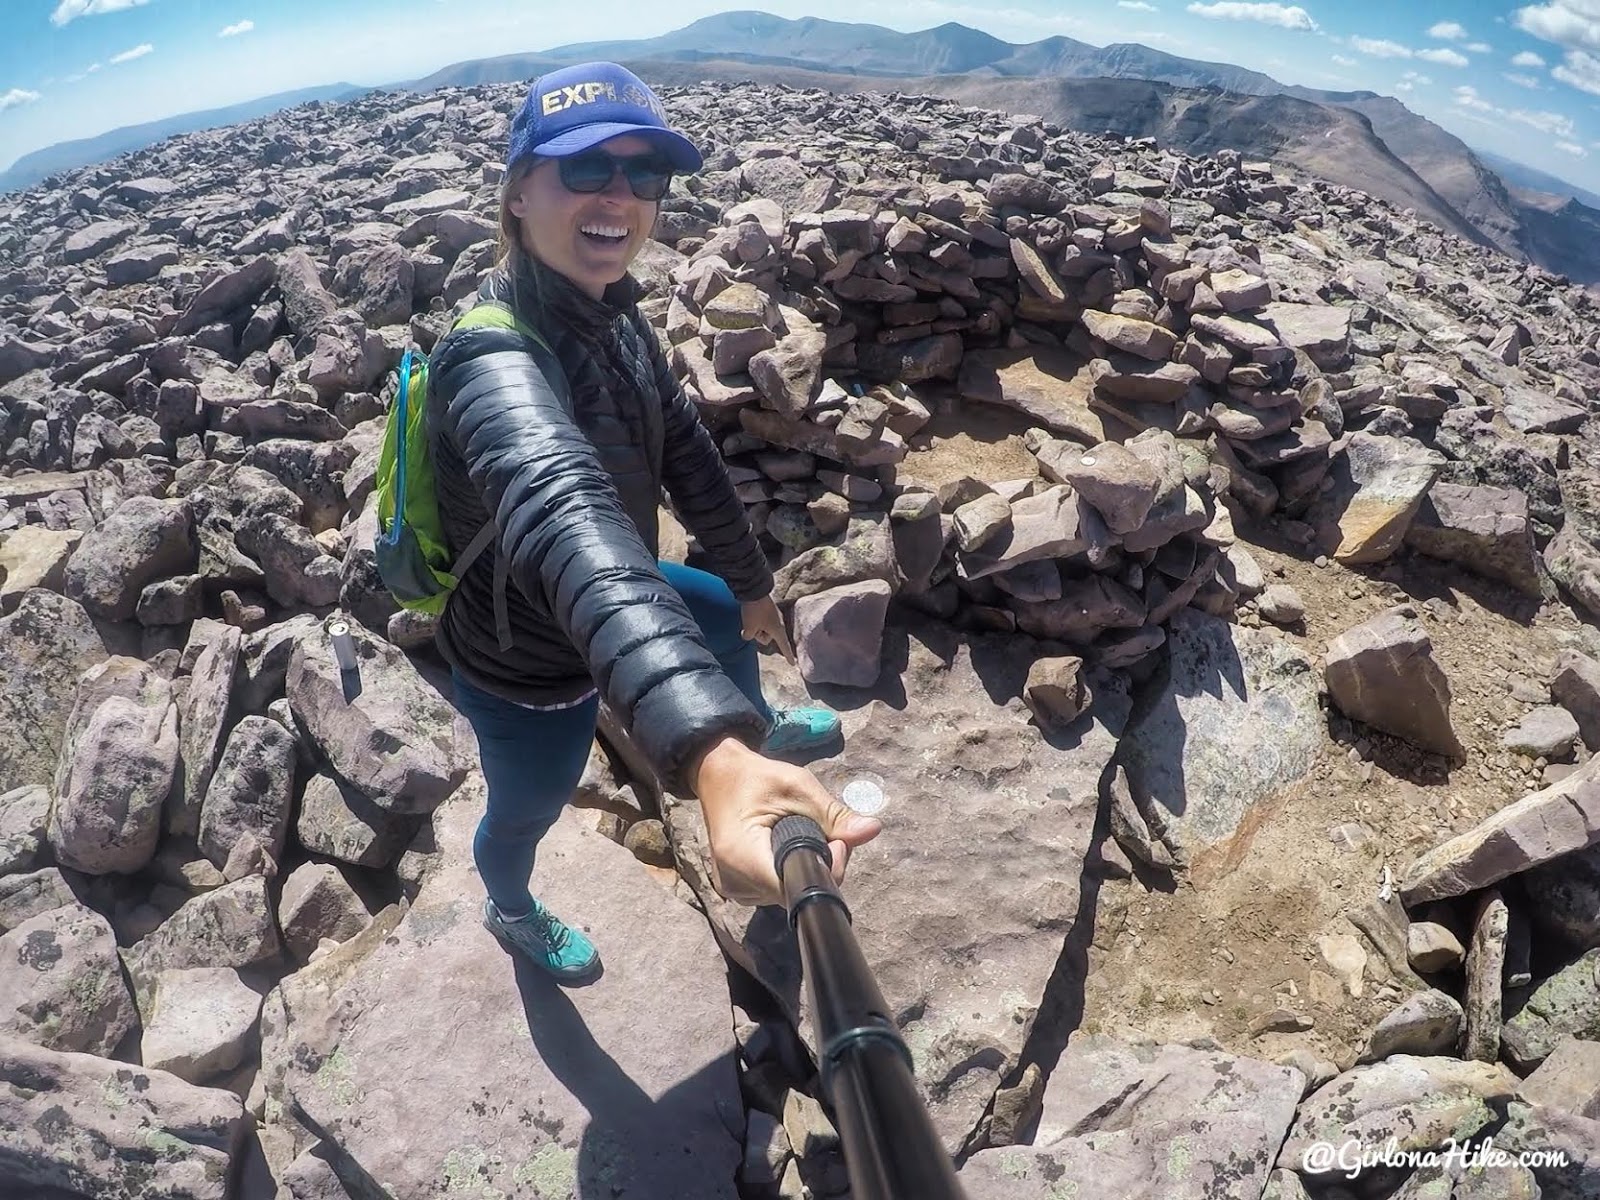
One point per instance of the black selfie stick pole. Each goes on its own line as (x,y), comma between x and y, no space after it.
(890,1146)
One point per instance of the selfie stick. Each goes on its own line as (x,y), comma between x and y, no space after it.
(890,1146)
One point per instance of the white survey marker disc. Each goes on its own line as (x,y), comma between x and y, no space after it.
(864,794)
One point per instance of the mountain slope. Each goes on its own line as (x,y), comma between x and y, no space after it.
(1449,166)
(64,156)
(1333,143)
(1517,175)
(833,45)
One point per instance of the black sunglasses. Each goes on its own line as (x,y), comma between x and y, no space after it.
(649,175)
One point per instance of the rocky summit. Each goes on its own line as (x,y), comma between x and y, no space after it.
(1204,559)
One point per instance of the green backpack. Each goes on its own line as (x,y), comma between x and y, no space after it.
(413,554)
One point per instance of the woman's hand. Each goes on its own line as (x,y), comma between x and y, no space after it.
(764,623)
(743,795)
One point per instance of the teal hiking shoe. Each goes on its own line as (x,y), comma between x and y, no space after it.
(801,728)
(545,939)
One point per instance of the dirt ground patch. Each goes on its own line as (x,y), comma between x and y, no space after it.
(978,440)
(1238,940)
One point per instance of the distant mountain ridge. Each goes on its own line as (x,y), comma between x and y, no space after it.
(1359,139)
(82,152)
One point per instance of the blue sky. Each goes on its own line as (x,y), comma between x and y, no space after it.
(1518,79)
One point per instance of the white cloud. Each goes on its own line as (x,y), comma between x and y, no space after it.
(1449,31)
(1137,5)
(1479,48)
(1581,70)
(1527,59)
(1528,81)
(1290,16)
(1565,22)
(138,51)
(1403,86)
(1545,122)
(1556,124)
(1380,47)
(1573,149)
(236,30)
(16,97)
(1445,58)
(71,10)
(1417,77)
(1343,61)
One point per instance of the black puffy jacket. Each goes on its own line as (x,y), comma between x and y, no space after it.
(571,463)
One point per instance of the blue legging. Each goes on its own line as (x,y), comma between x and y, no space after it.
(532,761)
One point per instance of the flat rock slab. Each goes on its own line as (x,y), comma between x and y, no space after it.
(1558,820)
(1531,411)
(437,1065)
(1231,721)
(1047,383)
(1421,1102)
(1159,1122)
(961,904)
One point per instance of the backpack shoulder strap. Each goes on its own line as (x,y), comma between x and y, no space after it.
(494,315)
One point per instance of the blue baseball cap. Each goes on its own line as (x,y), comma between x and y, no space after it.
(570,110)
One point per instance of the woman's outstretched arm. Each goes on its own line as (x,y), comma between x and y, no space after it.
(567,536)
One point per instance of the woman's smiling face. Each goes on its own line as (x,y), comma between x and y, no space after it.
(553,219)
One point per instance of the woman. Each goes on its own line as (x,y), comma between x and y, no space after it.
(568,450)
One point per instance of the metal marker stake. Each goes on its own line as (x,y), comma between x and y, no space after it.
(344,646)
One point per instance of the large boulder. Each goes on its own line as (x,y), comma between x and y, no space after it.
(1321,330)
(230,926)
(1382,673)
(564,1092)
(1048,384)
(839,633)
(24,828)
(143,540)
(1565,1148)
(1377,486)
(119,767)
(205,712)
(1229,721)
(387,732)
(1484,529)
(45,645)
(251,791)
(201,1022)
(336,819)
(1565,1005)
(865,550)
(34,557)
(1146,1123)
(61,983)
(80,1127)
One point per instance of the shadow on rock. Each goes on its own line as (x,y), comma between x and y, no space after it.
(628,1147)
